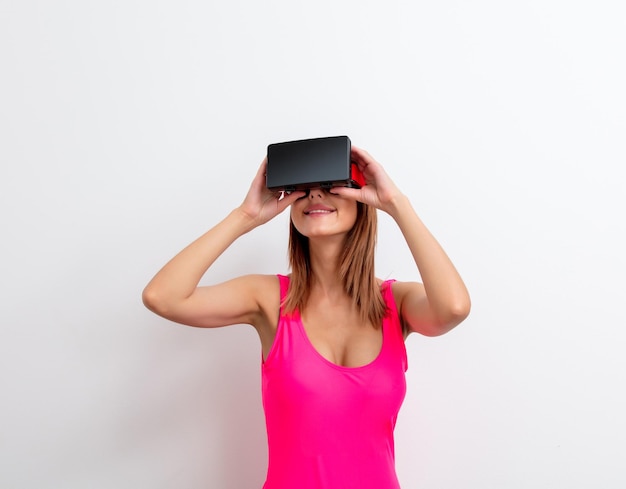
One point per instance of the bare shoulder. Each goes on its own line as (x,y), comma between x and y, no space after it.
(401,290)
(266,289)
(405,294)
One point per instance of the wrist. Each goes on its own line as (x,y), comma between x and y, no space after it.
(243,221)
(398,206)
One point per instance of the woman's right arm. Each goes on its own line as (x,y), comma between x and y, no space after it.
(174,292)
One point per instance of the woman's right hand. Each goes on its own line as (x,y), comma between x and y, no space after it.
(174,292)
(262,204)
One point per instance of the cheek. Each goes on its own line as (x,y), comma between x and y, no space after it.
(293,217)
(295,209)
(351,215)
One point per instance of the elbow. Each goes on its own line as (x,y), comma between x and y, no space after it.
(461,310)
(154,301)
(454,315)
(149,298)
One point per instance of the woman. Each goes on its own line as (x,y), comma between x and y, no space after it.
(332,335)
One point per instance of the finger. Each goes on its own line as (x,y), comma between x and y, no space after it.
(262,169)
(290,198)
(366,163)
(360,155)
(260,174)
(349,193)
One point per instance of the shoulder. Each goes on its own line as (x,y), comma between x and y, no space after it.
(405,293)
(252,284)
(401,290)
(261,280)
(262,287)
(266,291)
(258,294)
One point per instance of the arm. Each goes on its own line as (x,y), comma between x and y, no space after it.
(442,301)
(174,292)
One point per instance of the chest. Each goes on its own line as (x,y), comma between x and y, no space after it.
(330,368)
(341,336)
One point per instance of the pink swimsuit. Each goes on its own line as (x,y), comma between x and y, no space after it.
(328,426)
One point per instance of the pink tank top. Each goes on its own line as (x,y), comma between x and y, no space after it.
(328,426)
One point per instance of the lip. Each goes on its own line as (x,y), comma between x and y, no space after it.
(318,210)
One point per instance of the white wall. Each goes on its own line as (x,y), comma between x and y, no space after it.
(130,127)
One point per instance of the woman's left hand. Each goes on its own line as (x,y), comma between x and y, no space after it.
(442,301)
(379,190)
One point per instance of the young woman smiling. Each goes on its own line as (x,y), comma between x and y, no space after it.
(332,334)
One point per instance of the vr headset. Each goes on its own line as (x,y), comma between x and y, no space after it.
(312,163)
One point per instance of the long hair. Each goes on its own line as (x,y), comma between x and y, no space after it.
(356,268)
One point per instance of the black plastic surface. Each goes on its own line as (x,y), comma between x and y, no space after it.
(309,163)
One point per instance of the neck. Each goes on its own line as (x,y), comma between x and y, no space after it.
(325,255)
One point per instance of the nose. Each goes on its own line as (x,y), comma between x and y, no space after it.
(315,192)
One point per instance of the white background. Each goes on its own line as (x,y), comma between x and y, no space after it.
(128,128)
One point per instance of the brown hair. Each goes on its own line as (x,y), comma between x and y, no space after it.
(356,268)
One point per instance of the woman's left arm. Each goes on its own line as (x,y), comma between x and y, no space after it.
(442,301)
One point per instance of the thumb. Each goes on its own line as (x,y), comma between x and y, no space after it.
(289,199)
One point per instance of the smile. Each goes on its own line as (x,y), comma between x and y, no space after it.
(318,211)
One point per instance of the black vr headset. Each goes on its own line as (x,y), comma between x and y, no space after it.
(312,163)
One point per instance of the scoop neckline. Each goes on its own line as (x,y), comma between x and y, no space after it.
(298,319)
